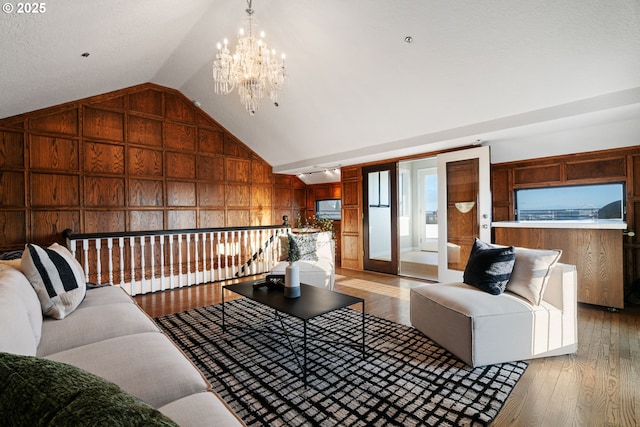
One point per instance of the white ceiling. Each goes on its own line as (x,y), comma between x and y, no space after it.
(357,92)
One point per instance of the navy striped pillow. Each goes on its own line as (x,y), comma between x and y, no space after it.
(57,277)
(489,267)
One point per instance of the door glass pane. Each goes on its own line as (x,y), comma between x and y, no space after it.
(462,214)
(379,216)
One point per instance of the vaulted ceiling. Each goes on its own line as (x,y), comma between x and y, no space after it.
(357,91)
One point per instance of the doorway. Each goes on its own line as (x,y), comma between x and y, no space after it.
(409,231)
(380,194)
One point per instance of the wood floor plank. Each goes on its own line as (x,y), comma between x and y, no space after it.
(597,386)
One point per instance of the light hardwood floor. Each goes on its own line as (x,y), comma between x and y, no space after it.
(597,386)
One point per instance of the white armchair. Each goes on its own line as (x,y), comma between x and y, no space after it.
(483,329)
(320,272)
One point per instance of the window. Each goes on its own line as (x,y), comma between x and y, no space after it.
(571,203)
(329,208)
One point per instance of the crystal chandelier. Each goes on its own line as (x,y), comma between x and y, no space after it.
(253,68)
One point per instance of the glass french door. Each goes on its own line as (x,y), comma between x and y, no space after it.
(380,218)
(464,208)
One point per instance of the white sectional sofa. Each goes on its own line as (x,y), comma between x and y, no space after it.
(483,329)
(110,336)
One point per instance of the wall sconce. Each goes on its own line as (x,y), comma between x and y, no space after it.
(465,207)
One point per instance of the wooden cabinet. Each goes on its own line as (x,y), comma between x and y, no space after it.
(596,253)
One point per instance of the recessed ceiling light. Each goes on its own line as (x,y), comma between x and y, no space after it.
(408,39)
(85,55)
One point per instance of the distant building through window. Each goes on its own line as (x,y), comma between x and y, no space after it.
(571,203)
(329,208)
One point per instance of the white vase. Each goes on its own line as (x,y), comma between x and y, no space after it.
(292,281)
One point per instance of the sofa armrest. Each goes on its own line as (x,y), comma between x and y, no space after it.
(562,289)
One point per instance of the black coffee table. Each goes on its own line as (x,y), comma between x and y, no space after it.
(313,302)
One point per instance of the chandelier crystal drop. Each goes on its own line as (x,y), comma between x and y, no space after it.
(253,68)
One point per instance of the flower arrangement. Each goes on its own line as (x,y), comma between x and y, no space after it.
(315,223)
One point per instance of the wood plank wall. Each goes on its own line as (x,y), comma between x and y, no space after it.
(615,165)
(140,158)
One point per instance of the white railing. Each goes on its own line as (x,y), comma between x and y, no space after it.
(143,262)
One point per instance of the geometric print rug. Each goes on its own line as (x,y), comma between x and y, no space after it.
(405,379)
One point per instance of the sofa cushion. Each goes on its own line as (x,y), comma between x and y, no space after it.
(531,272)
(104,295)
(20,286)
(36,391)
(93,324)
(16,333)
(488,267)
(56,276)
(204,409)
(146,365)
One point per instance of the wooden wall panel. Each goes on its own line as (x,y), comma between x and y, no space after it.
(179,219)
(54,190)
(211,194)
(611,168)
(237,170)
(13,227)
(210,141)
(146,101)
(12,184)
(352,234)
(146,220)
(63,122)
(46,225)
(238,195)
(179,136)
(104,221)
(103,192)
(143,162)
(54,153)
(181,194)
(102,124)
(535,174)
(145,131)
(145,192)
(141,158)
(210,168)
(176,108)
(103,158)
(180,165)
(283,197)
(11,150)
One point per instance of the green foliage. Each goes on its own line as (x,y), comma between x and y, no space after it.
(313,222)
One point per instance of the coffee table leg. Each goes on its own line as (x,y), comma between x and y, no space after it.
(363,346)
(304,369)
(223,326)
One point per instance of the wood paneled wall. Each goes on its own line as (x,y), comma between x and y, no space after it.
(322,192)
(141,158)
(351,227)
(617,165)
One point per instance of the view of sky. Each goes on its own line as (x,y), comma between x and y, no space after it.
(574,197)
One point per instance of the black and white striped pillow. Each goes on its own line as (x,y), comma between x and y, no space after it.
(57,277)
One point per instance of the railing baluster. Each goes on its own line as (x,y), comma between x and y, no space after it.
(143,286)
(110,265)
(162,276)
(121,246)
(152,241)
(85,250)
(171,258)
(180,260)
(97,243)
(132,246)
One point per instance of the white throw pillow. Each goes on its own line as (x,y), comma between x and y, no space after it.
(57,277)
(531,272)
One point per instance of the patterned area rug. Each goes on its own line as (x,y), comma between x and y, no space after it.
(405,380)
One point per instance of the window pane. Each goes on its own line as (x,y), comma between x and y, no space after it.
(328,209)
(580,202)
